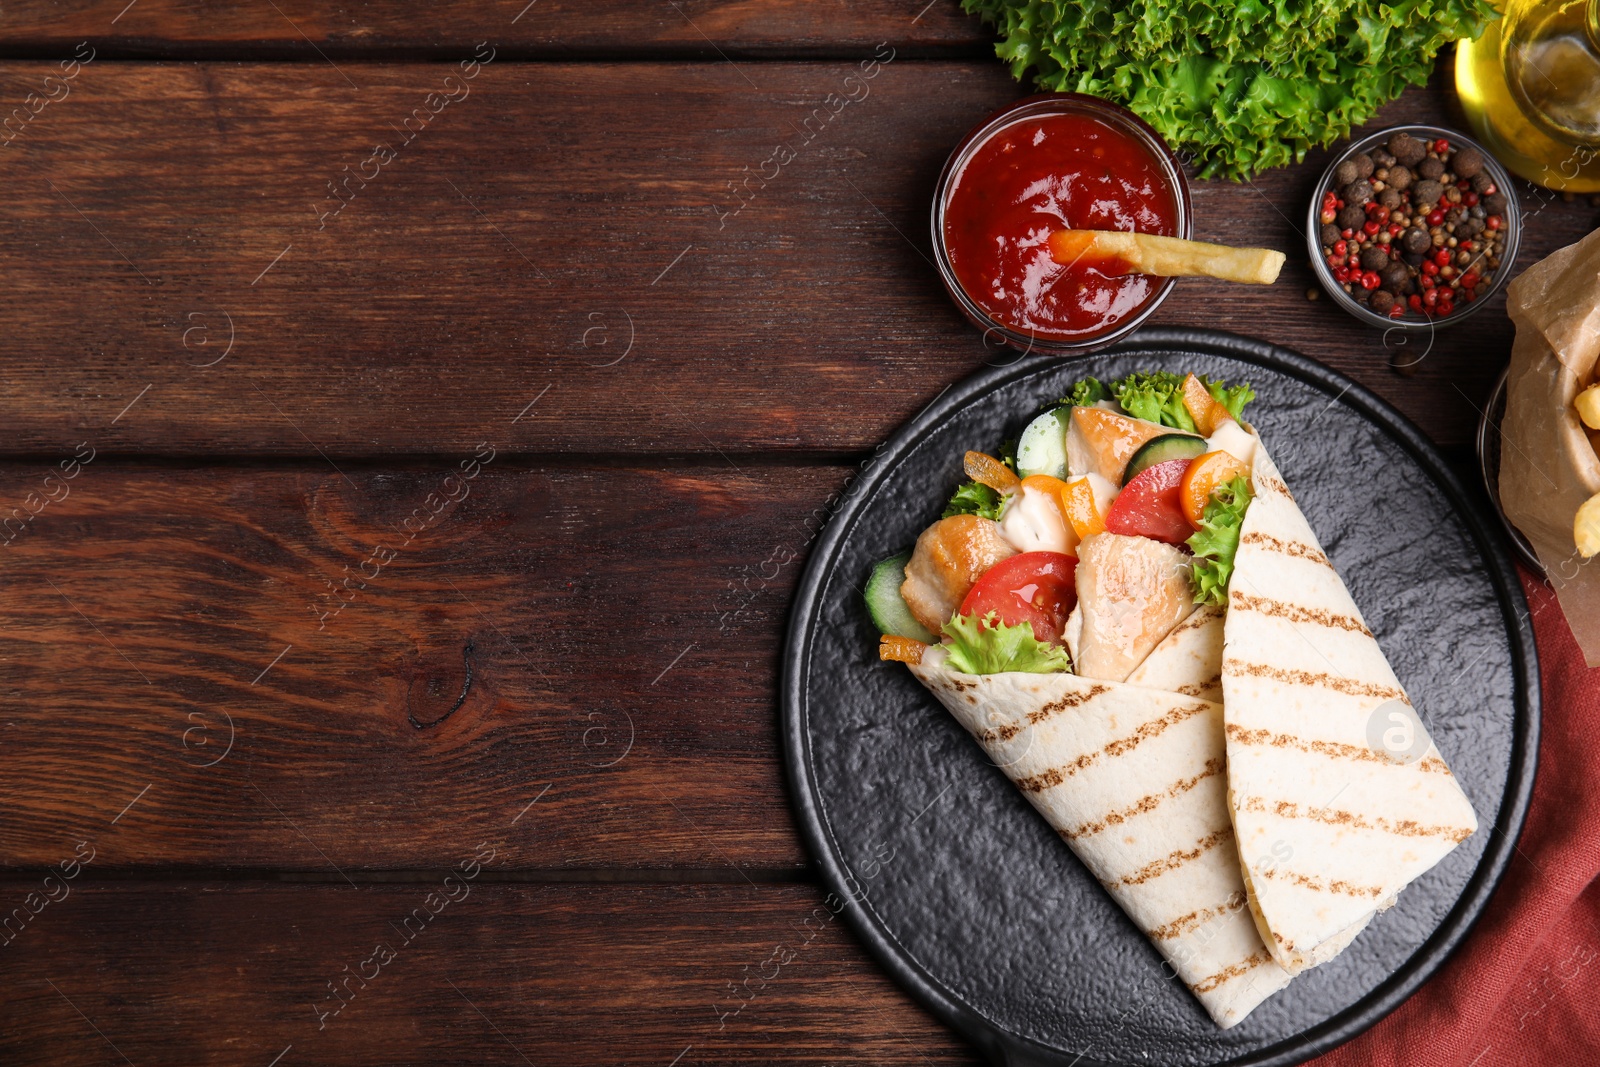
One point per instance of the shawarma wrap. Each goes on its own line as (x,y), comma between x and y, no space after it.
(1078,547)
(1133,779)
(1339,797)
(1134,620)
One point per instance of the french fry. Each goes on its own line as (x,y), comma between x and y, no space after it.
(1589,407)
(1167,257)
(1586,527)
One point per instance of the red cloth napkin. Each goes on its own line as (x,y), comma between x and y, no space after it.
(1525,986)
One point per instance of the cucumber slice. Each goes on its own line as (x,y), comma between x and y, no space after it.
(1160,449)
(885,604)
(1042,449)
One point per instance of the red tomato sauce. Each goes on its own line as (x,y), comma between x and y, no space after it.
(1049,173)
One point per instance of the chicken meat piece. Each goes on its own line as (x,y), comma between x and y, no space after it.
(950,556)
(1101,442)
(1132,592)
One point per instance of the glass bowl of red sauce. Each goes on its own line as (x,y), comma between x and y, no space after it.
(1049,162)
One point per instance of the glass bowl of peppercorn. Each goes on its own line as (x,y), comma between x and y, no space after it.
(1413,226)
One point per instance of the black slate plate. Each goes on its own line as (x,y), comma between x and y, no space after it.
(969,899)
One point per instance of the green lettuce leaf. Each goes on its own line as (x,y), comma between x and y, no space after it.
(1215,543)
(1233,399)
(991,647)
(1008,453)
(1155,396)
(1085,394)
(974,498)
(1237,86)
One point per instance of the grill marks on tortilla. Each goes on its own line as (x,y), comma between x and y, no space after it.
(1179,772)
(1154,728)
(1228,974)
(1298,549)
(1295,613)
(1316,679)
(1200,689)
(1338,885)
(1193,622)
(1293,719)
(1266,483)
(1196,919)
(1174,859)
(1331,749)
(1066,703)
(1038,715)
(1286,809)
(1147,803)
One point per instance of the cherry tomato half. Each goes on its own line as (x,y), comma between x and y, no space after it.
(1152,505)
(1033,587)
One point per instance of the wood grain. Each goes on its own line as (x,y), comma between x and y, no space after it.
(532,230)
(505,974)
(256,659)
(393,29)
(608,635)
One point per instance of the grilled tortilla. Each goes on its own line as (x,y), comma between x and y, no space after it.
(1329,826)
(1133,779)
(1188,660)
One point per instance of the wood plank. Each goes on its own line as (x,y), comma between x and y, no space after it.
(297,29)
(620,628)
(527,235)
(514,974)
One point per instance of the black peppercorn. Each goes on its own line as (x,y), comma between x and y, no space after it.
(1374,258)
(1390,198)
(1427,191)
(1357,192)
(1381,301)
(1352,216)
(1495,204)
(1467,163)
(1329,234)
(1407,149)
(1403,363)
(1430,168)
(1481,181)
(1399,177)
(1345,173)
(1416,240)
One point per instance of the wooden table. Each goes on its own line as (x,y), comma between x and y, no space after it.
(398,540)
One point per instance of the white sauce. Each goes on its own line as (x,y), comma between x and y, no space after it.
(1104,492)
(1072,633)
(1032,523)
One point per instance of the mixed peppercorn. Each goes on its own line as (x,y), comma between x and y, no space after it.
(1413,226)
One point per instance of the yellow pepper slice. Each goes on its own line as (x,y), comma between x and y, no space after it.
(1203,407)
(989,471)
(1078,505)
(900,649)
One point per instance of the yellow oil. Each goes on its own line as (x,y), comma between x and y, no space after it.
(1530,87)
